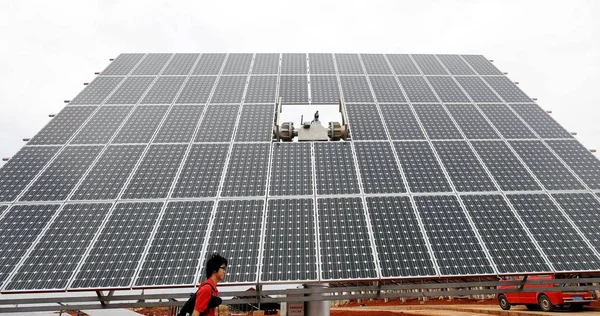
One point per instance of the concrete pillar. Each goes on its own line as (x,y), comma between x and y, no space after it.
(320,308)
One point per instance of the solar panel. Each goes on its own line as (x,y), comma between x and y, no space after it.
(20,227)
(115,254)
(235,233)
(378,168)
(62,127)
(164,159)
(54,258)
(155,173)
(335,169)
(173,258)
(454,243)
(62,174)
(291,172)
(365,122)
(564,247)
(344,240)
(202,171)
(401,245)
(290,252)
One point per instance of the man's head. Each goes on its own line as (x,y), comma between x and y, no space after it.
(216,265)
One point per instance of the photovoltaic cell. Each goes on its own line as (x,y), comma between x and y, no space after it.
(62,174)
(236,234)
(400,244)
(152,64)
(481,65)
(107,177)
(181,64)
(378,169)
(324,89)
(542,123)
(202,171)
(546,167)
(477,89)
(237,64)
(209,64)
(294,89)
(471,122)
(452,239)
(583,208)
(163,91)
(579,159)
(196,90)
(564,247)
(365,123)
(386,89)
(293,64)
(346,251)
(266,64)
(416,89)
(101,127)
(141,124)
(335,171)
(421,168)
(54,258)
(348,64)
(506,89)
(507,241)
(130,91)
(180,124)
(356,89)
(447,89)
(173,258)
(218,123)
(247,170)
(401,122)
(321,64)
(290,251)
(115,255)
(507,123)
(63,126)
(462,166)
(122,65)
(96,91)
(455,65)
(429,65)
(229,90)
(291,170)
(403,64)
(155,174)
(256,123)
(20,226)
(21,169)
(504,166)
(436,121)
(261,89)
(375,64)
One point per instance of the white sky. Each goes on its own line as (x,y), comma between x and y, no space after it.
(49,48)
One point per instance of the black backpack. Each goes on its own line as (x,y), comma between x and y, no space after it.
(188,307)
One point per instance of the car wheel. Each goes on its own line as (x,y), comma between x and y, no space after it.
(503,302)
(545,303)
(532,307)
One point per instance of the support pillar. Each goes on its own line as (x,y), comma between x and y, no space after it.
(320,308)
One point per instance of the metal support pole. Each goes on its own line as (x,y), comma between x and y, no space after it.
(320,308)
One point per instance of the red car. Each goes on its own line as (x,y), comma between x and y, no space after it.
(547,301)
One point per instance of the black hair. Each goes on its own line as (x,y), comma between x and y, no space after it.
(214,263)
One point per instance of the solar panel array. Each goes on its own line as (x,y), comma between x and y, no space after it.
(164,158)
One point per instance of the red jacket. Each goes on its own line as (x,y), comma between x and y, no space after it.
(203,297)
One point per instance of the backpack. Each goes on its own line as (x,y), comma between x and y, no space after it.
(188,307)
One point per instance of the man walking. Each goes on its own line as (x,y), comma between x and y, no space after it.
(207,297)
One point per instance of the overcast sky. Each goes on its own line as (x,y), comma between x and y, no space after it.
(49,48)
